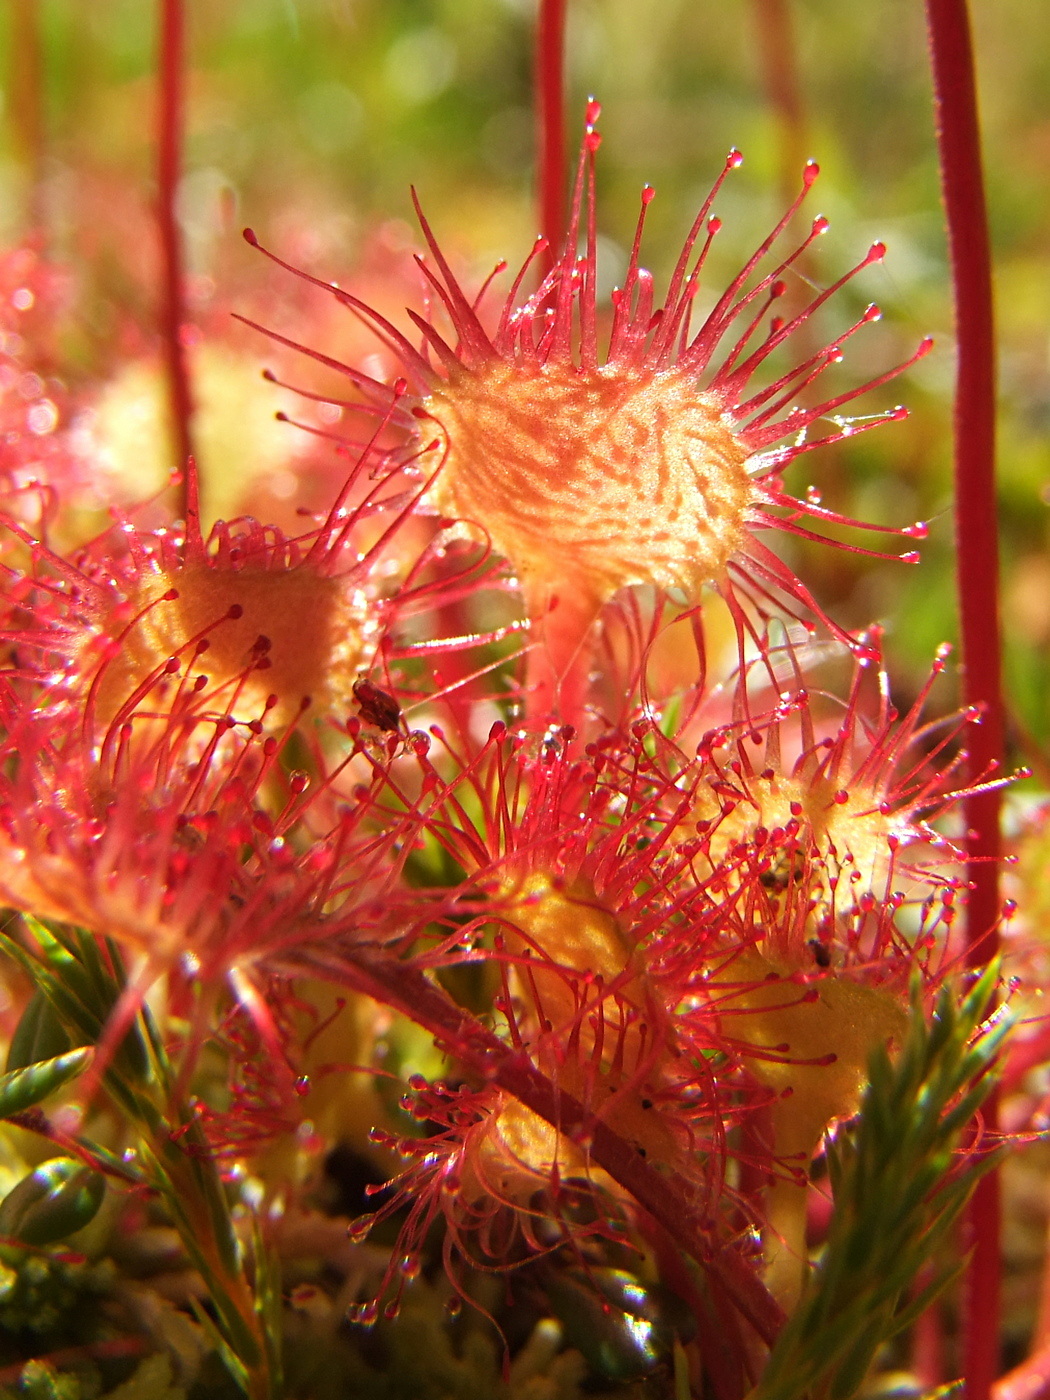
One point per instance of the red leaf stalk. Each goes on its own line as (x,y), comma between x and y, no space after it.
(962,180)
(170,64)
(409,991)
(550,120)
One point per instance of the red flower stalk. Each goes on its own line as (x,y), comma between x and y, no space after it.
(171,43)
(549,86)
(653,463)
(977,572)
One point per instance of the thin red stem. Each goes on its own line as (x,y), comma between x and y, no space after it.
(26,85)
(550,119)
(927,1356)
(170,64)
(962,180)
(778,53)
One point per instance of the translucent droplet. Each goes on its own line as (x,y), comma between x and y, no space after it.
(358,1230)
(42,418)
(363,1314)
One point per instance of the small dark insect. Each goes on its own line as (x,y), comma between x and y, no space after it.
(377,706)
(821,952)
(785,870)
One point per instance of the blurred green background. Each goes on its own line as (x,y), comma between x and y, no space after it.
(310,119)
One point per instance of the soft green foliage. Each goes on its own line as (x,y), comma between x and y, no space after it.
(82,987)
(48,1300)
(39,1035)
(900,1179)
(40,1381)
(420,1355)
(84,983)
(52,1202)
(623,1328)
(152,1381)
(22,1088)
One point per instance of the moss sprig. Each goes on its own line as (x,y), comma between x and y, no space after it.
(900,1178)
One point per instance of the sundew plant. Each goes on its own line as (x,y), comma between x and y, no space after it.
(522,875)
